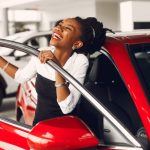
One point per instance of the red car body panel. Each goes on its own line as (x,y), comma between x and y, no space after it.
(49,134)
(116,49)
(81,137)
(12,137)
(28,109)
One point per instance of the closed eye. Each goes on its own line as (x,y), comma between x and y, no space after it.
(68,28)
(65,27)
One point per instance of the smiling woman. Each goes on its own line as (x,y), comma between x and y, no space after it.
(72,39)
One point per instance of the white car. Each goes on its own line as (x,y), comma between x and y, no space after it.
(8,86)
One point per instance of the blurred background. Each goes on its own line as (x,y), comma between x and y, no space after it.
(40,15)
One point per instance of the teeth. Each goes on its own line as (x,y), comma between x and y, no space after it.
(57,36)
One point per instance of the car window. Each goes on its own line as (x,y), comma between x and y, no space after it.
(35,42)
(105,83)
(140,54)
(40,41)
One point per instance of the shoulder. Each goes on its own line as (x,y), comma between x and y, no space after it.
(76,61)
(82,58)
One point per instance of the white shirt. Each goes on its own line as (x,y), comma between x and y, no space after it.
(76,65)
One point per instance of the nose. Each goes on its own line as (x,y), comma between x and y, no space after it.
(58,28)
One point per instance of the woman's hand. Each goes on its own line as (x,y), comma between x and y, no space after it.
(46,55)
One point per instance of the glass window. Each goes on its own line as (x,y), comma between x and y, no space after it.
(140,54)
(40,41)
(105,83)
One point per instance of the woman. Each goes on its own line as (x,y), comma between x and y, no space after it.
(72,38)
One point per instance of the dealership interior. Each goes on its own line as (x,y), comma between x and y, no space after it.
(115,89)
(40,15)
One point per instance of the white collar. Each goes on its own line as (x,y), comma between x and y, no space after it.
(70,61)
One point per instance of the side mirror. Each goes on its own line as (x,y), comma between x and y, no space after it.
(62,133)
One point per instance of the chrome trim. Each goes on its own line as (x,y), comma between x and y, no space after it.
(93,100)
(18,46)
(16,124)
(112,147)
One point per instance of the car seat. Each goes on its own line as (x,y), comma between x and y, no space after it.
(105,83)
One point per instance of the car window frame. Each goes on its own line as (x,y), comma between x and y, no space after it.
(93,100)
(130,48)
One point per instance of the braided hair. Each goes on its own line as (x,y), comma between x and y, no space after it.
(93,35)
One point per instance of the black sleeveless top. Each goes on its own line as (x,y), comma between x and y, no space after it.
(47,106)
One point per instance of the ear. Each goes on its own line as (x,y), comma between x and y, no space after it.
(78,44)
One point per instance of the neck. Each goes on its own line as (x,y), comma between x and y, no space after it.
(62,55)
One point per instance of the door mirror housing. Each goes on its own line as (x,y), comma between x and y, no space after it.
(65,133)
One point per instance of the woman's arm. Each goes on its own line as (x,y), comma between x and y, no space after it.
(20,75)
(67,96)
(9,68)
(62,89)
(79,72)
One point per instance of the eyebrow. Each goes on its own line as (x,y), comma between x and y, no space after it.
(68,25)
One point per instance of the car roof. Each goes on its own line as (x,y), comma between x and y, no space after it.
(116,44)
(129,37)
(23,36)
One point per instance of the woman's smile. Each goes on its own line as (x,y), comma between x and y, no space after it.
(57,36)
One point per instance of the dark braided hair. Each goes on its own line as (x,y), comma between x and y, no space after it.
(93,35)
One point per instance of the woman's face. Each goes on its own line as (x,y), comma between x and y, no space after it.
(66,33)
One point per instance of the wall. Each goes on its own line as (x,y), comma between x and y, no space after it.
(141,11)
(108,13)
(65,10)
(28,17)
(126,16)
(133,11)
(51,13)
(115,14)
(75,8)
(24,16)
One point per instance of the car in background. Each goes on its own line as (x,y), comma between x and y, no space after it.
(112,113)
(31,38)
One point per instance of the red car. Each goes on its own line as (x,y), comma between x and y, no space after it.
(113,111)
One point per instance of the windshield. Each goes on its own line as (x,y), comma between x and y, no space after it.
(141,58)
